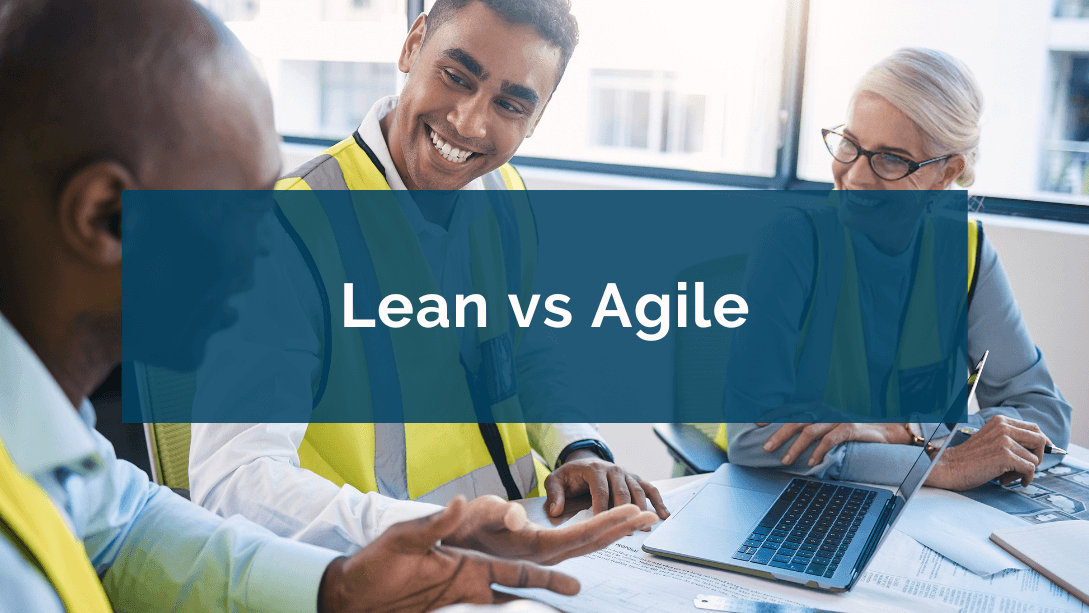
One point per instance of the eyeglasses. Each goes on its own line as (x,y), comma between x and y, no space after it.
(888,166)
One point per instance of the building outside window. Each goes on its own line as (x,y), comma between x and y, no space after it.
(698,85)
(644,110)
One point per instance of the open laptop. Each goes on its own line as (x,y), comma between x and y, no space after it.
(763,522)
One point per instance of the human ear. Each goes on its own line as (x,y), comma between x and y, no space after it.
(413,44)
(89,212)
(954,166)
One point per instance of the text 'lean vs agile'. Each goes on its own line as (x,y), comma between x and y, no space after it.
(395,310)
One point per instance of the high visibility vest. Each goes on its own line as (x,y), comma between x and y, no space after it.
(31,522)
(830,358)
(393,374)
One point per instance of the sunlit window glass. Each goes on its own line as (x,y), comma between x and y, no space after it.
(326,61)
(692,85)
(1035,124)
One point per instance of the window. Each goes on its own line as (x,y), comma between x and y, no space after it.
(644,110)
(326,61)
(692,85)
(709,90)
(1066,156)
(1072,9)
(1033,91)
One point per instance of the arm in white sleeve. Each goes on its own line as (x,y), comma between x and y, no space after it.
(253,469)
(545,381)
(1015,381)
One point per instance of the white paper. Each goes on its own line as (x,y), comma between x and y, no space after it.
(622,578)
(904,567)
(960,528)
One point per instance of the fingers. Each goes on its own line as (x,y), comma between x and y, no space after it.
(810,433)
(655,499)
(595,533)
(528,574)
(598,483)
(782,435)
(554,501)
(422,534)
(618,483)
(515,518)
(638,496)
(836,436)
(1023,462)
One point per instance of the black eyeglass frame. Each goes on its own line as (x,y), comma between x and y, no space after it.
(912,166)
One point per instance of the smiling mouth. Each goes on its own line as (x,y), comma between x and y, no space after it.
(449,152)
(853,198)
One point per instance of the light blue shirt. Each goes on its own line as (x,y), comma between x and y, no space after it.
(153,550)
(1015,382)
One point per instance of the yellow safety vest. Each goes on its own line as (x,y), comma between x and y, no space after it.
(845,385)
(366,239)
(31,521)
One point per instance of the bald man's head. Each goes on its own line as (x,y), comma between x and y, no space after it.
(126,80)
(103,96)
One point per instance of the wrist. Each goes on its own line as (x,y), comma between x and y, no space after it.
(595,448)
(581,454)
(329,590)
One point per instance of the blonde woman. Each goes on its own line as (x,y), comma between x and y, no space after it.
(912,124)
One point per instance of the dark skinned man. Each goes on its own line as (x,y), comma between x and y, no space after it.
(480,75)
(113,95)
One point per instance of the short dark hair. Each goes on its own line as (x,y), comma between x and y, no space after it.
(552,18)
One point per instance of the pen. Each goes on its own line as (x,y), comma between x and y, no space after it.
(1048,448)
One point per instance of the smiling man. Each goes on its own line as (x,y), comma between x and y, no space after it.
(480,74)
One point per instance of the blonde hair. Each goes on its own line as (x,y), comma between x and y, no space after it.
(939,94)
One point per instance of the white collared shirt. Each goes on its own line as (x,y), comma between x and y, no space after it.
(153,549)
(253,469)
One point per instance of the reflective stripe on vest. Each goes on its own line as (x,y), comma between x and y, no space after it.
(393,376)
(831,358)
(29,518)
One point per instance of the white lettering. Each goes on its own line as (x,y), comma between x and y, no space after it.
(611,295)
(722,311)
(349,310)
(385,310)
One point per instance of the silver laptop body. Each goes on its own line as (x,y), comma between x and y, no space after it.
(758,521)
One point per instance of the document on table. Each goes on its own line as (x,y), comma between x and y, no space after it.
(903,566)
(1057,493)
(960,528)
(622,578)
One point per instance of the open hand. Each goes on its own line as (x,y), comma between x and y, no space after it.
(500,528)
(608,485)
(406,570)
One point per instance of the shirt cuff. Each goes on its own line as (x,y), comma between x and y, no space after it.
(285,576)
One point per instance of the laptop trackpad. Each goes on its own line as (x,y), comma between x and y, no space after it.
(714,523)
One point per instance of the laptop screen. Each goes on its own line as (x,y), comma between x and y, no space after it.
(919,471)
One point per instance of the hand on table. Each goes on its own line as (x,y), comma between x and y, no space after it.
(500,528)
(1006,448)
(608,485)
(407,570)
(829,434)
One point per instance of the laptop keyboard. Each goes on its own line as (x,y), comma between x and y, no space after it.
(808,529)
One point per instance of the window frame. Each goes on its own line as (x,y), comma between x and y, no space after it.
(789,138)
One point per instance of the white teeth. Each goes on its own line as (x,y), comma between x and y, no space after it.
(452,154)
